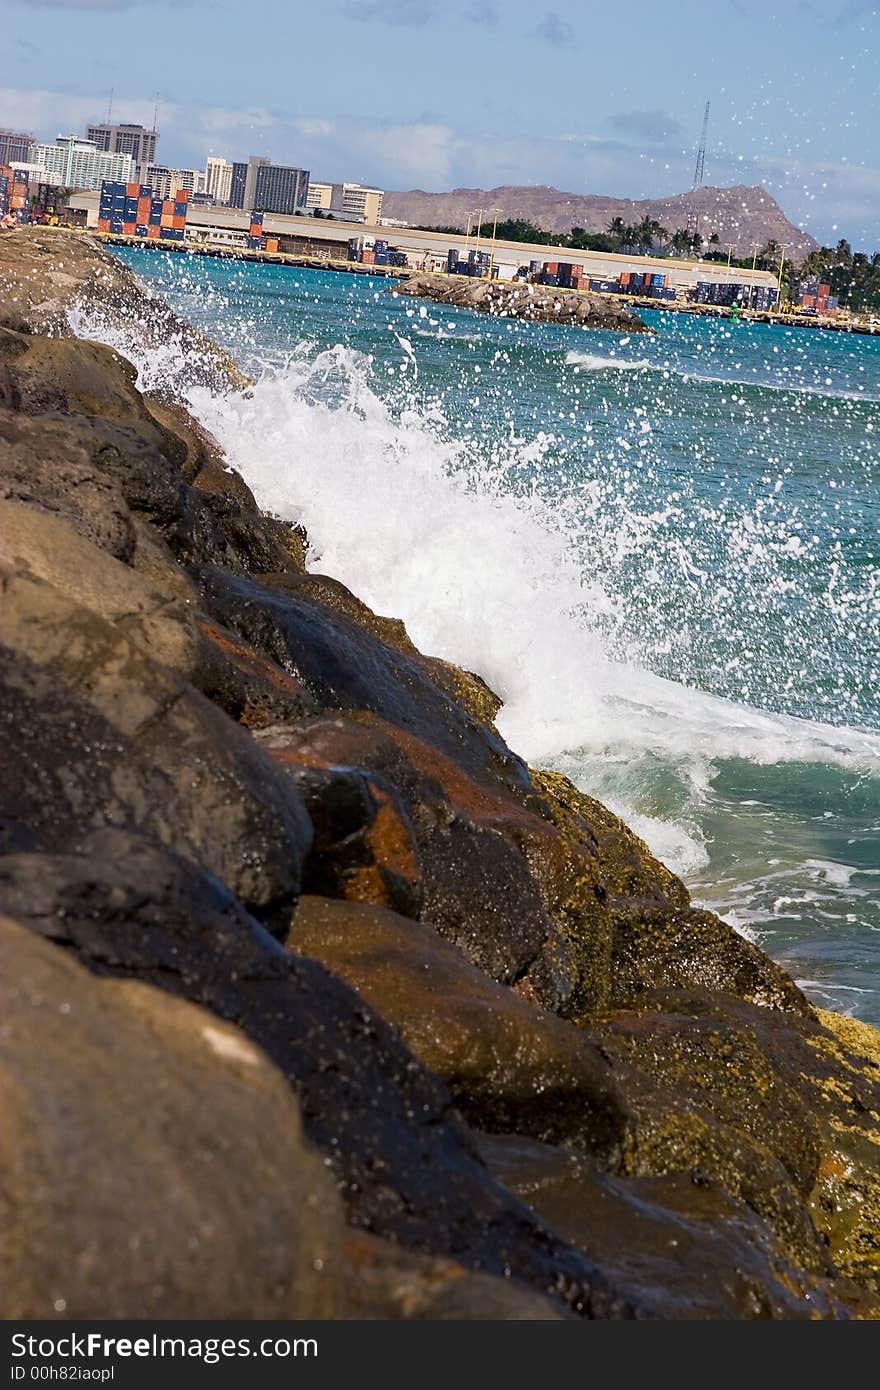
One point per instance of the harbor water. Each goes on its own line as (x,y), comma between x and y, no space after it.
(660,550)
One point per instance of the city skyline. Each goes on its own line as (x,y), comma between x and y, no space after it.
(566,96)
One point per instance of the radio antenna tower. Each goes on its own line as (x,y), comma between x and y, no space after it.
(700,167)
(699,170)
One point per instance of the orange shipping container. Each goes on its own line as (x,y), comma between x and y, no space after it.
(132,190)
(368,256)
(182,195)
(271,243)
(103,224)
(168,206)
(153,232)
(178,223)
(166,220)
(129,228)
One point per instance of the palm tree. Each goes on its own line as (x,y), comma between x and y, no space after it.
(617,229)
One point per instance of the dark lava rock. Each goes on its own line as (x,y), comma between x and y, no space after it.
(403,1162)
(346,667)
(687,1249)
(134,746)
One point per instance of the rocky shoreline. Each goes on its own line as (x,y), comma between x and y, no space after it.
(536,303)
(317,1002)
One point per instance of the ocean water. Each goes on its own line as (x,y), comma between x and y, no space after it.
(662,551)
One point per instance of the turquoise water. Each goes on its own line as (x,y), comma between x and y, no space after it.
(662,551)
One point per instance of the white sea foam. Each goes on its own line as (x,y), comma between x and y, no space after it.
(493,582)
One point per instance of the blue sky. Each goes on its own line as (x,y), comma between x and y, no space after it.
(443,93)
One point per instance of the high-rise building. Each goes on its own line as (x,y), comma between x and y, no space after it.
(352,200)
(244,180)
(125,138)
(218,179)
(165,182)
(16,147)
(280,188)
(82,164)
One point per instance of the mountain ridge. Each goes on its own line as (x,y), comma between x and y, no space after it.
(743,216)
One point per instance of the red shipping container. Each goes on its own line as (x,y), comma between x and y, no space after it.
(182,195)
(153,232)
(103,224)
(178,223)
(129,228)
(132,190)
(551,267)
(368,256)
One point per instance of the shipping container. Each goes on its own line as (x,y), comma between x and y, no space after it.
(144,191)
(178,223)
(132,190)
(141,229)
(368,255)
(166,222)
(129,228)
(103,224)
(179,209)
(153,231)
(181,195)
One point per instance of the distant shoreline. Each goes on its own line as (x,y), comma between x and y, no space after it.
(237,253)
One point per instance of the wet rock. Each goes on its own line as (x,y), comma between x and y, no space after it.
(684,1249)
(48,548)
(49,274)
(393,1284)
(86,394)
(514,1067)
(364,848)
(152,1158)
(477,889)
(791,1086)
(346,667)
(629,869)
(43,465)
(509,1065)
(403,1161)
(99,735)
(661,947)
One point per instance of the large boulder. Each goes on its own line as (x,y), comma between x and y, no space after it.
(153,1163)
(98,735)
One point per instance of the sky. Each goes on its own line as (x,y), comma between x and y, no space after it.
(439,94)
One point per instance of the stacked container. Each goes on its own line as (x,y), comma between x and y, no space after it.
(255,235)
(5,180)
(131,210)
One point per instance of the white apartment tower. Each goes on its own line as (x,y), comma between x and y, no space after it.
(218,179)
